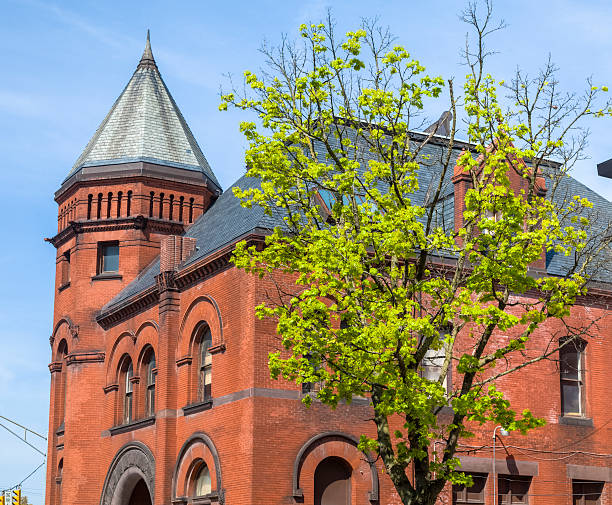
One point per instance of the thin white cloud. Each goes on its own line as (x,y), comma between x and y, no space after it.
(80,23)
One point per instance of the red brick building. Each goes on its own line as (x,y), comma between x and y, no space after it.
(160,391)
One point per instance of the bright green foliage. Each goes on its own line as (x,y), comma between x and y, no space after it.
(336,121)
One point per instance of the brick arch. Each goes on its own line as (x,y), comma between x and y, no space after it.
(124,344)
(203,308)
(341,445)
(64,328)
(198,447)
(146,336)
(132,462)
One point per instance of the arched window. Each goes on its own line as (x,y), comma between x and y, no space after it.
(58,480)
(161,205)
(191,210)
(128,390)
(171,207)
(202,481)
(181,201)
(129,203)
(151,199)
(89,200)
(151,378)
(62,352)
(332,482)
(99,209)
(108,204)
(204,363)
(119,197)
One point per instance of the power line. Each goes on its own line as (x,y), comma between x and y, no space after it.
(23,438)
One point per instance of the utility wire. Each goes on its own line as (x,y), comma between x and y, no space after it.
(23,439)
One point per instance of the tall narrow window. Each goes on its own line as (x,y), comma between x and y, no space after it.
(191,210)
(99,206)
(205,365)
(586,492)
(432,364)
(128,392)
(89,200)
(119,197)
(171,203)
(151,378)
(108,257)
(571,362)
(473,495)
(129,204)
(202,481)
(65,267)
(181,201)
(58,480)
(151,200)
(513,489)
(161,205)
(109,203)
(62,352)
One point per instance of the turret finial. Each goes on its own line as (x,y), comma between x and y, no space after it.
(147,60)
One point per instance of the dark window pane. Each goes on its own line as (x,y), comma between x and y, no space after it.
(472,495)
(587,492)
(569,363)
(110,258)
(571,397)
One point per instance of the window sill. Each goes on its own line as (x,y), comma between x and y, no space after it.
(576,421)
(63,286)
(133,425)
(207,499)
(107,276)
(194,408)
(60,430)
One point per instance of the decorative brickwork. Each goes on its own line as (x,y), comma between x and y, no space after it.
(215,403)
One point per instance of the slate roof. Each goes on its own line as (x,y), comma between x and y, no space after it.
(145,124)
(226,221)
(222,224)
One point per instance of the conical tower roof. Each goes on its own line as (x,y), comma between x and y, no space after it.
(145,124)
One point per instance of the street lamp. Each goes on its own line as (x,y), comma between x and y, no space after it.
(505,433)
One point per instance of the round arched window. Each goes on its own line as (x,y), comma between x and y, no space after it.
(202,483)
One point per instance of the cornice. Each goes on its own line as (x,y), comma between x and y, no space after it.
(129,307)
(78,358)
(139,222)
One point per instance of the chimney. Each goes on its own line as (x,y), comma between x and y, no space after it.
(175,249)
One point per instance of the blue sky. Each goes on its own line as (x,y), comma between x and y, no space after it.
(64,63)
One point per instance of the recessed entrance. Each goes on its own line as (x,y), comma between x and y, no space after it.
(140,494)
(332,482)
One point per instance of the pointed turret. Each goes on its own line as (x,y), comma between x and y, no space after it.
(144,125)
(141,177)
(147,60)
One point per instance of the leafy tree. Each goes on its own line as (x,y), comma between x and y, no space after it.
(388,298)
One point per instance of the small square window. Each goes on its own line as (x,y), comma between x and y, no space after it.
(108,257)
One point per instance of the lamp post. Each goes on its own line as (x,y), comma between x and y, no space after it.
(504,433)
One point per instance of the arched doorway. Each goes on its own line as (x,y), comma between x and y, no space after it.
(332,482)
(131,477)
(140,494)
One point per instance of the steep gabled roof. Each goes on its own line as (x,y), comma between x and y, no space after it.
(226,222)
(145,124)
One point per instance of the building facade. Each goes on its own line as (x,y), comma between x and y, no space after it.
(160,390)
